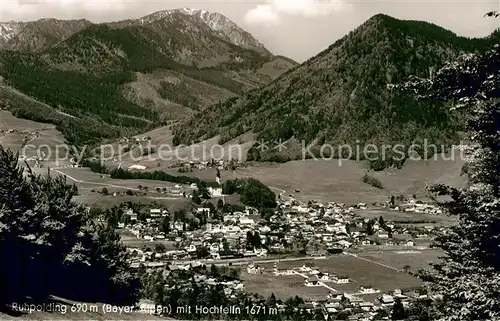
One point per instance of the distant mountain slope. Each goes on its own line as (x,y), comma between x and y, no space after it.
(135,74)
(38,35)
(341,96)
(43,33)
(176,39)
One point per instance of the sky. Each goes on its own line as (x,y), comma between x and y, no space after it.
(298,29)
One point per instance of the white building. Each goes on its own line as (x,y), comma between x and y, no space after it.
(155,212)
(215,192)
(137,167)
(254,269)
(367,290)
(312,281)
(246,221)
(410,243)
(386,299)
(343,279)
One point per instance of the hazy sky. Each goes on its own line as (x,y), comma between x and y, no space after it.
(298,29)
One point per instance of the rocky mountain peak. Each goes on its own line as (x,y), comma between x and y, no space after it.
(219,23)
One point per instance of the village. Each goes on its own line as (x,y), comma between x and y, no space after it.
(274,246)
(329,228)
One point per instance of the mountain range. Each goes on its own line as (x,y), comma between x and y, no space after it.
(130,75)
(98,81)
(43,33)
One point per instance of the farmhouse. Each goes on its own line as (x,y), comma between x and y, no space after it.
(200,210)
(155,212)
(382,235)
(386,299)
(367,289)
(215,192)
(366,306)
(131,214)
(409,243)
(330,307)
(305,268)
(361,206)
(324,277)
(254,269)
(312,281)
(342,279)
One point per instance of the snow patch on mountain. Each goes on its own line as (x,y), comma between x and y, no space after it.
(9,30)
(217,22)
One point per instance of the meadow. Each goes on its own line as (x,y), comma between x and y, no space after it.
(407,217)
(384,277)
(415,259)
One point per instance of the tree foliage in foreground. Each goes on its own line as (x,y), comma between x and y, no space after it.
(468,278)
(52,246)
(253,192)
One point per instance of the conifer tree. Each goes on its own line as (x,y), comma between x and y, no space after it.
(468,278)
(55,246)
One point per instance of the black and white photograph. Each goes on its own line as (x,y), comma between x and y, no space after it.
(250,160)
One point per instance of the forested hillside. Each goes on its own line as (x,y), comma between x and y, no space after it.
(102,72)
(51,245)
(341,96)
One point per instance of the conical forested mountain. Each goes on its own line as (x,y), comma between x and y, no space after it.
(341,95)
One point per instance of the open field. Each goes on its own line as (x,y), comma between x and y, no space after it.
(90,183)
(131,240)
(395,216)
(322,180)
(95,199)
(48,136)
(325,180)
(283,287)
(414,258)
(361,272)
(86,176)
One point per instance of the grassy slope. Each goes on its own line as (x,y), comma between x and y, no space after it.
(327,181)
(48,134)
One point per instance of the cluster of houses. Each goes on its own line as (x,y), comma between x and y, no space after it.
(336,227)
(417,206)
(215,237)
(136,140)
(220,164)
(318,228)
(312,275)
(354,304)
